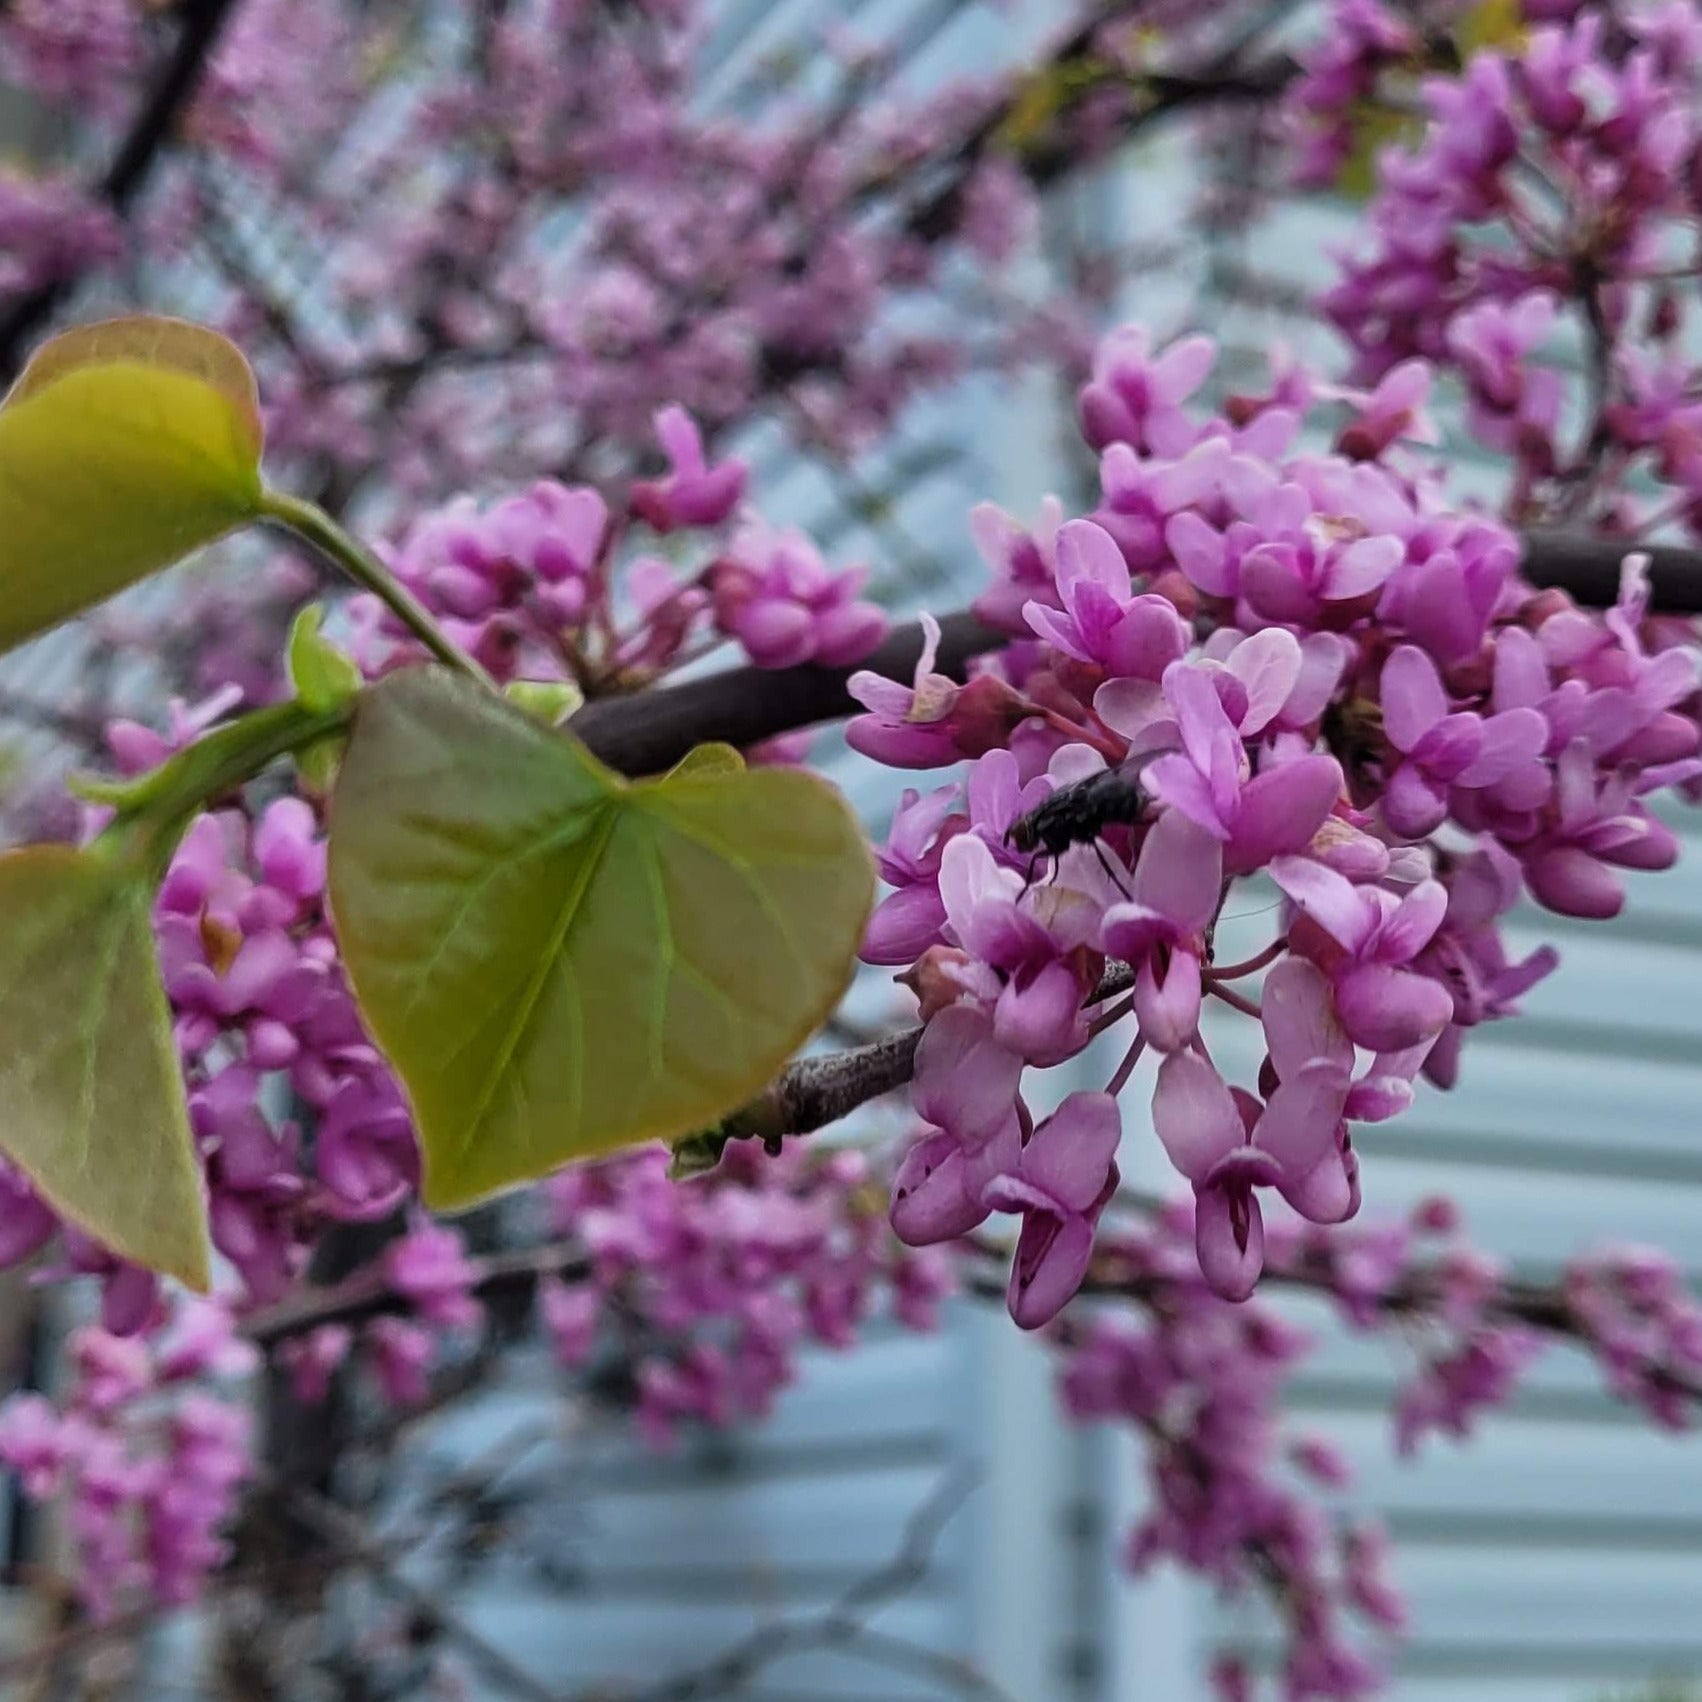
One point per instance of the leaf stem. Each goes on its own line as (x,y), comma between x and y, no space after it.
(154,809)
(310,522)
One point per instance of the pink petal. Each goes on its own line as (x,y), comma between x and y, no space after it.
(1051,1260)
(964,1081)
(1571,882)
(1057,628)
(1362,566)
(1275,589)
(1231,1258)
(1339,908)
(1131,707)
(1299,1019)
(1198,550)
(1324,657)
(930,1199)
(1069,1155)
(1194,1114)
(1414,923)
(1327,1193)
(1281,809)
(1174,780)
(1413,699)
(1182,369)
(1268,664)
(1168,1007)
(1299,1123)
(1130,931)
(1180,872)
(1521,674)
(1510,739)
(1413,805)
(1088,554)
(1387,1010)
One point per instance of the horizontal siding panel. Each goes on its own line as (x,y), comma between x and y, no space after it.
(572,1643)
(1573,1471)
(1512,1596)
(839,1523)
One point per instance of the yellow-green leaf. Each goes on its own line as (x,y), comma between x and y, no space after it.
(91,1100)
(1490,24)
(322,675)
(558,962)
(1373,127)
(124,447)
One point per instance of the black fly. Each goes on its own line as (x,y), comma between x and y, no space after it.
(1079,813)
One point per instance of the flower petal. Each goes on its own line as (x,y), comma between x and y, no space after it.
(1413,699)
(1194,1114)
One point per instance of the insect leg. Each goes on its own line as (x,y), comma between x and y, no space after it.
(1106,864)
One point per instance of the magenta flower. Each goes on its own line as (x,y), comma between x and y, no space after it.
(1062,1181)
(1366,938)
(1103,622)
(964,1080)
(774,594)
(1446,593)
(1033,938)
(1141,495)
(1254,817)
(1228,1145)
(1177,886)
(965,1083)
(694,493)
(934,721)
(1023,562)
(1468,956)
(1283,559)
(1596,821)
(1135,397)
(909,920)
(1443,750)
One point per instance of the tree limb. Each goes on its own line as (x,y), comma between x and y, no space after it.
(652,730)
(124,177)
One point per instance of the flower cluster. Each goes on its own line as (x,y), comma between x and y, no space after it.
(697,1299)
(146,1451)
(1244,1502)
(530,585)
(1292,665)
(1556,174)
(607,242)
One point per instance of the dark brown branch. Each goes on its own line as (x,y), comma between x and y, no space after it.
(368,1294)
(198,34)
(650,731)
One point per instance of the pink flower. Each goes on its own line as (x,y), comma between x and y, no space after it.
(1228,1145)
(773,593)
(1033,938)
(909,920)
(934,721)
(1176,889)
(1023,562)
(1136,398)
(694,493)
(1102,621)
(1062,1181)
(1444,750)
(1254,817)
(1366,939)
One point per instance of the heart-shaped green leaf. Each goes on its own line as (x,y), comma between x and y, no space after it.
(91,1100)
(559,963)
(123,447)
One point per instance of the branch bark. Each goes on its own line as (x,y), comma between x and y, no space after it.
(198,35)
(651,731)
